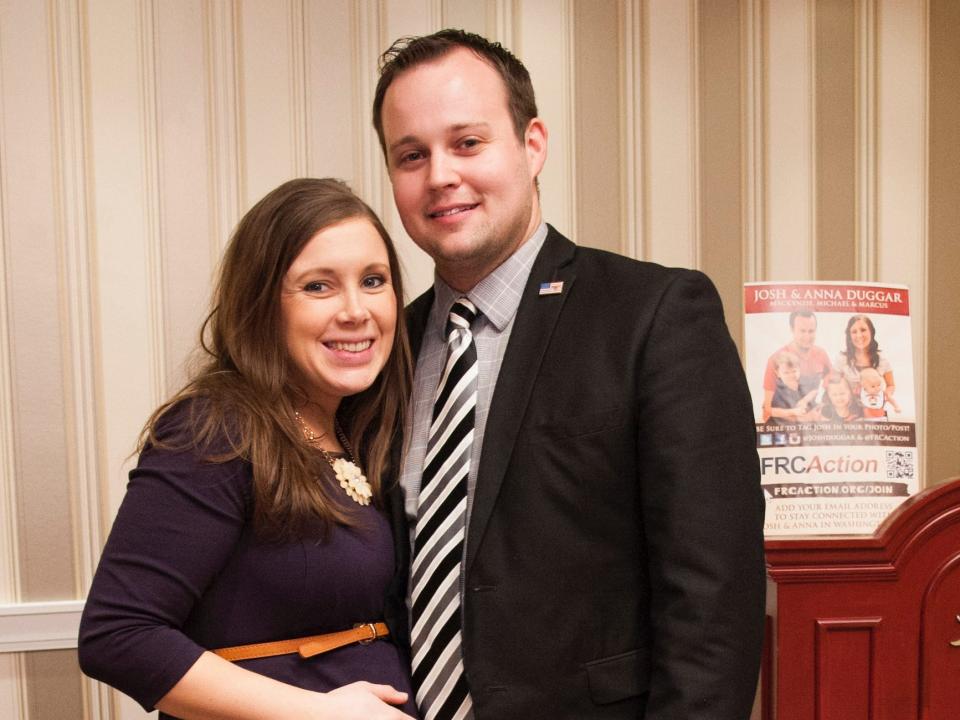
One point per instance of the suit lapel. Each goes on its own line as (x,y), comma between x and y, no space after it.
(417,313)
(529,338)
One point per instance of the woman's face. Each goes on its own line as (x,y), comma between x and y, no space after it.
(860,334)
(339,311)
(839,395)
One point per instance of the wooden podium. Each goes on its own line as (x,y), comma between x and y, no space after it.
(868,627)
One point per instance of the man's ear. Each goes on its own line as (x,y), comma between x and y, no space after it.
(535,145)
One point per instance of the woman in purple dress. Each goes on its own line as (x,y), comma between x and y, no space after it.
(247,567)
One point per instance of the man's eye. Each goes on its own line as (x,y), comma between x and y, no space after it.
(409,157)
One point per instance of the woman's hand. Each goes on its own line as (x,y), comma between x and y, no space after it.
(364,700)
(214,689)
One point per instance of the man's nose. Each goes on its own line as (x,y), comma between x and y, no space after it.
(443,171)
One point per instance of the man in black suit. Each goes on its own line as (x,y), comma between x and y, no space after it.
(613,559)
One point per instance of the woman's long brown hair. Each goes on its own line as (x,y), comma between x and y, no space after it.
(242,397)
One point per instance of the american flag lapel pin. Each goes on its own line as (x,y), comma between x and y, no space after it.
(551,288)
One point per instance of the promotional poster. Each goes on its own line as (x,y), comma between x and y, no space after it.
(830,370)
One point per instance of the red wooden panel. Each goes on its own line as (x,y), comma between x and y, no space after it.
(940,645)
(844,668)
(766,672)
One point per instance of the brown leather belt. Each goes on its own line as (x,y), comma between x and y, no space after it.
(306,646)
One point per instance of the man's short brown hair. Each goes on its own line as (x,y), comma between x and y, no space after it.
(408,52)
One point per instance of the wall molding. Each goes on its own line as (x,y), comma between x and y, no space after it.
(568,85)
(299,74)
(149,42)
(9,569)
(924,292)
(696,170)
(810,62)
(30,627)
(866,141)
(224,113)
(753,140)
(367,46)
(632,129)
(73,230)
(504,22)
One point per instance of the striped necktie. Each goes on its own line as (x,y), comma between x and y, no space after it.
(441,687)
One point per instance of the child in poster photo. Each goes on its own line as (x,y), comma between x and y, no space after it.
(791,402)
(841,405)
(873,398)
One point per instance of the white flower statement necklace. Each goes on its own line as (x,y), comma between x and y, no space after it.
(347,472)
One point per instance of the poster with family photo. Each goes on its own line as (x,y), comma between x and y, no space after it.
(830,370)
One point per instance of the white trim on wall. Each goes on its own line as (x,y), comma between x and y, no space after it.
(28,627)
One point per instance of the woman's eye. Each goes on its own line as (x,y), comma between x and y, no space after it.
(374,281)
(315,287)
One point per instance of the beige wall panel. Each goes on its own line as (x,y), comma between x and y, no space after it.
(122,159)
(333,114)
(545,45)
(41,502)
(836,137)
(902,118)
(671,133)
(16,80)
(189,247)
(271,70)
(469,15)
(720,93)
(410,17)
(943,320)
(789,252)
(597,141)
(54,685)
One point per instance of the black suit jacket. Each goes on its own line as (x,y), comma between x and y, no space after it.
(614,563)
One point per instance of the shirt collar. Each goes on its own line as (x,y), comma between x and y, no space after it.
(498,295)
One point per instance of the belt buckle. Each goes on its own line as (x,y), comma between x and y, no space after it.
(373,632)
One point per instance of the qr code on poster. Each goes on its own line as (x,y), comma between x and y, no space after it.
(899,464)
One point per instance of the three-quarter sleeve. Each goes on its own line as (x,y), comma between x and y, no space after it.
(176,528)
